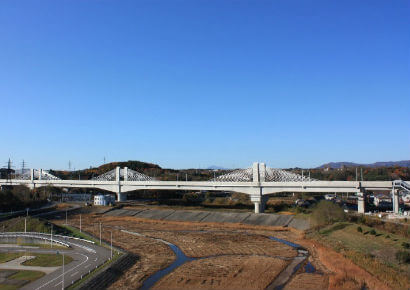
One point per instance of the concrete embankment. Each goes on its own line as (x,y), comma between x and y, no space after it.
(210,217)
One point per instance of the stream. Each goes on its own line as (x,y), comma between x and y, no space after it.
(277,284)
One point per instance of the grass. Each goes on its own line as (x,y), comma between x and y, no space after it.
(5,257)
(48,260)
(32,225)
(27,275)
(74,232)
(22,275)
(335,227)
(8,287)
(369,249)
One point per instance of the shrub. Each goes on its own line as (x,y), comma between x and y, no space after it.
(403,257)
(387,237)
(373,232)
(326,212)
(359,229)
(405,245)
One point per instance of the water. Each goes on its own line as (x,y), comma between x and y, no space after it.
(180,259)
(309,268)
(286,242)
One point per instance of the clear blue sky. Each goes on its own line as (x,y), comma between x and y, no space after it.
(199,83)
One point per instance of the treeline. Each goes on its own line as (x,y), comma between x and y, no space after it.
(368,173)
(21,197)
(149,169)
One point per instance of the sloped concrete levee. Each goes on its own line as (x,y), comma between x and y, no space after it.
(211,217)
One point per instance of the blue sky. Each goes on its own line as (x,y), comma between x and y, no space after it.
(199,83)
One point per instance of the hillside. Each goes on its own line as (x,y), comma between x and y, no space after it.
(336,165)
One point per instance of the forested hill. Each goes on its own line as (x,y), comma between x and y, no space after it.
(335,165)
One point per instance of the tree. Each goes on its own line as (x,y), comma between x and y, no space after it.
(327,212)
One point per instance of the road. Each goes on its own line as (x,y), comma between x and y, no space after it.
(86,257)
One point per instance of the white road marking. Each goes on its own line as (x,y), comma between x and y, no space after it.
(58,284)
(74,274)
(87,266)
(59,277)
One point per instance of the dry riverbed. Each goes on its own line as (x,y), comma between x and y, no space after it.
(224,256)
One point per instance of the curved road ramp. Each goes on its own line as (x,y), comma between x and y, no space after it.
(215,217)
(86,256)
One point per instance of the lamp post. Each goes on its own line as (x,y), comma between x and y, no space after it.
(62,277)
(51,242)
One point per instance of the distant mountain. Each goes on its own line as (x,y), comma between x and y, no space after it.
(216,167)
(335,165)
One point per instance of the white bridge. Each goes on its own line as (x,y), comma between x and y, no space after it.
(257,181)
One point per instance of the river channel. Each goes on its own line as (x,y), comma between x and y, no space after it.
(277,284)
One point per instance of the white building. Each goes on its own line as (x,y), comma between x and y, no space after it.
(107,199)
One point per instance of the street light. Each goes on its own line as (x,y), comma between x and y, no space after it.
(62,277)
(51,242)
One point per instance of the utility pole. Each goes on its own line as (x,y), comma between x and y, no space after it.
(62,278)
(25,225)
(80,223)
(100,233)
(66,217)
(51,243)
(111,245)
(186,176)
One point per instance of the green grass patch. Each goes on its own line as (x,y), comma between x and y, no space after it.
(8,287)
(335,227)
(5,257)
(26,275)
(48,260)
(32,225)
(74,232)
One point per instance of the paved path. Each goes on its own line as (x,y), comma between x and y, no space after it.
(86,257)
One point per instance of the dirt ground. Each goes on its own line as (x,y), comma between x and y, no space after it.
(233,272)
(231,256)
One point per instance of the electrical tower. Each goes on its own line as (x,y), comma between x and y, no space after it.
(9,170)
(23,166)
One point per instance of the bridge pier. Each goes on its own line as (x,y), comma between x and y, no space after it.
(395,200)
(361,202)
(259,201)
(120,196)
